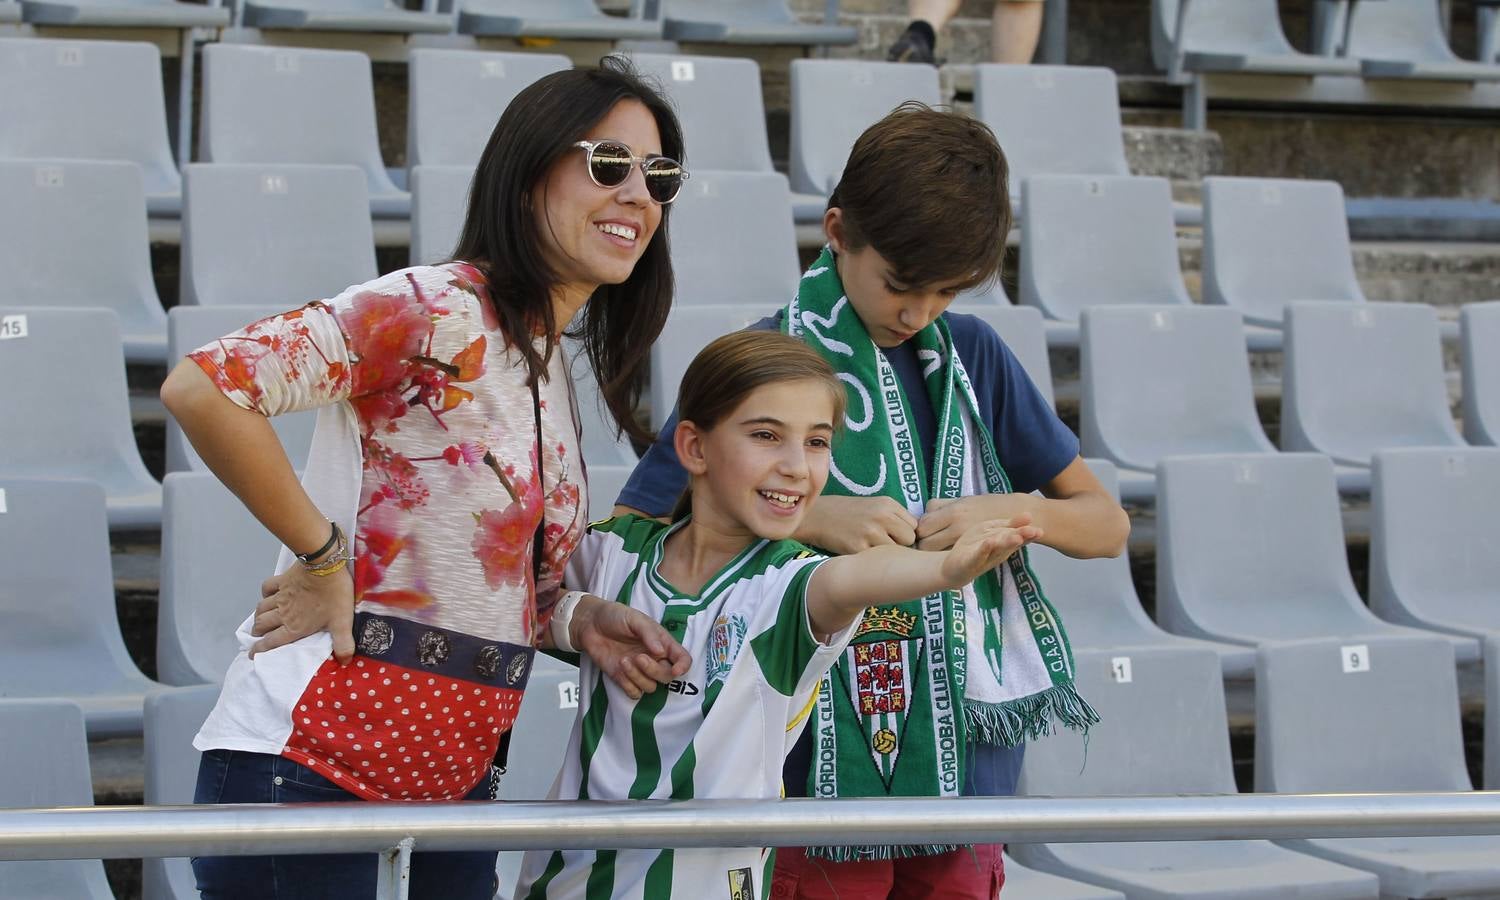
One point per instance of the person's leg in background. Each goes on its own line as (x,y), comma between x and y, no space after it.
(1015,29)
(927,18)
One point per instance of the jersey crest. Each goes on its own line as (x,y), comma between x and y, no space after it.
(724,646)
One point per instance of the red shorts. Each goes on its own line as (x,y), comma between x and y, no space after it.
(969,873)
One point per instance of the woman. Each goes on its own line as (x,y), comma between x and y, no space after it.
(444,477)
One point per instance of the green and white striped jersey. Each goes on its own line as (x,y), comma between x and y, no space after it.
(722,731)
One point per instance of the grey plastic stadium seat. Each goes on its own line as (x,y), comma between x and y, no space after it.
(273,235)
(1032,884)
(1481,368)
(1356,379)
(745,22)
(117,108)
(291,105)
(1380,715)
(1487,24)
(605,485)
(344,15)
(688,330)
(1102,608)
(989,296)
(439,201)
(719,104)
(1250,549)
(60,637)
(44,761)
(455,98)
(173,717)
(73,420)
(1406,39)
(10,12)
(1163,730)
(834,101)
(191,327)
(603,443)
(1434,548)
(214,556)
(562,19)
(1242,36)
(1022,330)
(1093,240)
(124,13)
(1300,224)
(88,220)
(1492,712)
(758,265)
(1164,380)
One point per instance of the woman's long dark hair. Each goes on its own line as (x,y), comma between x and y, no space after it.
(501,235)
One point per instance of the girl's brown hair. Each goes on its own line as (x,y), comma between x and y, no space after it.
(732,367)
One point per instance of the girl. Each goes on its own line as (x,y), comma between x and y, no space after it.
(762,616)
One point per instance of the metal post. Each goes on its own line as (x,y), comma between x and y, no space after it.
(394,879)
(1055,33)
(185,73)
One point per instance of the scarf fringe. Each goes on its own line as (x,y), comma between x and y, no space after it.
(866,854)
(1014,722)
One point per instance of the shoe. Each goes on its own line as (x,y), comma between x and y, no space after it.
(912,47)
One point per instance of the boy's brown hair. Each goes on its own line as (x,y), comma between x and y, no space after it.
(928,189)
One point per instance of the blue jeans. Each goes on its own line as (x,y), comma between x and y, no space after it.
(234,776)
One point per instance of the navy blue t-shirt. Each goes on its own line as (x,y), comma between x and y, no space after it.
(1034,447)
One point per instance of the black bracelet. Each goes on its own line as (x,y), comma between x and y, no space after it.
(333,538)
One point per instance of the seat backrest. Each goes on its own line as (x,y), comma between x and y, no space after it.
(1492,712)
(1162,728)
(1252,546)
(688,330)
(1024,332)
(258,235)
(75,420)
(60,635)
(456,97)
(603,443)
(1218,26)
(759,266)
(1481,368)
(834,101)
(1433,542)
(1377,714)
(214,556)
(173,717)
(290,105)
(605,485)
(191,327)
(1052,120)
(64,99)
(1356,379)
(1165,380)
(74,234)
(439,202)
(543,724)
(1300,224)
(1094,240)
(739,11)
(1407,30)
(719,104)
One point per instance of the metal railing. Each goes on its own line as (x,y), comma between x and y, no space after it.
(395,830)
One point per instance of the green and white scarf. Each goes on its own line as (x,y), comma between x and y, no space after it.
(990,663)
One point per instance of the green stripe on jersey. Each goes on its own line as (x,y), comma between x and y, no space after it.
(785,650)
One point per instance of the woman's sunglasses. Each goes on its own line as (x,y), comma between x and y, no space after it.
(610,162)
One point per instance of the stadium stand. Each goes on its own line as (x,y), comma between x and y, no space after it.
(73,421)
(1404,39)
(124,13)
(688,330)
(44,761)
(54,544)
(605,484)
(1481,372)
(745,22)
(562,19)
(758,268)
(191,327)
(1102,607)
(273,235)
(439,199)
(172,719)
(1434,550)
(10,12)
(455,97)
(341,15)
(291,105)
(1163,730)
(1250,550)
(1023,331)
(603,444)
(1381,715)
(1300,224)
(195,632)
(88,220)
(1357,379)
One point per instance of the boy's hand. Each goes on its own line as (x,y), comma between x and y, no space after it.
(629,647)
(986,546)
(948,520)
(844,525)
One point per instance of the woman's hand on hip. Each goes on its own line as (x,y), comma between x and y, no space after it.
(628,646)
(297,603)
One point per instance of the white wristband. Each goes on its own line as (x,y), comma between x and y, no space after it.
(562,617)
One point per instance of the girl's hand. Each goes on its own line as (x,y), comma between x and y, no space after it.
(297,603)
(628,646)
(985,546)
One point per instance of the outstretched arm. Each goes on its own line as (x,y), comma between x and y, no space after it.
(844,585)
